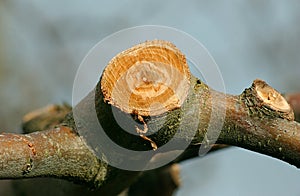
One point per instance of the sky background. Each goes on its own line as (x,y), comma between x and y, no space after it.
(42,44)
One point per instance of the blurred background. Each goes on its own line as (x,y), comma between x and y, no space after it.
(42,43)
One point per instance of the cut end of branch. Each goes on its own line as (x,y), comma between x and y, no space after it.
(148,79)
(270,96)
(45,118)
(263,100)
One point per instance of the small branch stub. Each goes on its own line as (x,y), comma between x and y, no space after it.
(147,80)
(45,118)
(263,100)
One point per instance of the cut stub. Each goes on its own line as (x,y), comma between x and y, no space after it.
(263,100)
(45,118)
(147,80)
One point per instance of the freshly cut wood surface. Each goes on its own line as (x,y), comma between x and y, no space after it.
(271,97)
(148,79)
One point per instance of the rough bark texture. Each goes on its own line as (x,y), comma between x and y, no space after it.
(58,153)
(61,153)
(258,120)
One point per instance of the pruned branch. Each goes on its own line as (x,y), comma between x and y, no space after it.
(259,119)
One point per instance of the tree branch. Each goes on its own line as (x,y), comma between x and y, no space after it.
(259,119)
(58,153)
(40,154)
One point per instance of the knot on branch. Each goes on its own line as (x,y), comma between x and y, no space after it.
(262,100)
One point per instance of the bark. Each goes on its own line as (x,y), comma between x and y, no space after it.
(62,153)
(259,120)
